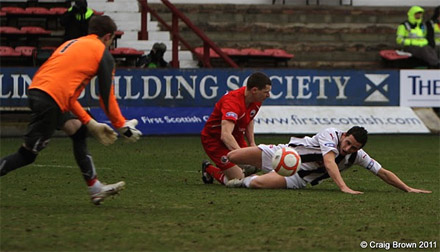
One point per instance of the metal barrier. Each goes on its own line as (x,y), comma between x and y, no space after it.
(176,38)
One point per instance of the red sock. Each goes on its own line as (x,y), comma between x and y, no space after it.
(216,173)
(91,182)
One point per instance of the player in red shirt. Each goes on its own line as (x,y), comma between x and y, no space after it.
(229,124)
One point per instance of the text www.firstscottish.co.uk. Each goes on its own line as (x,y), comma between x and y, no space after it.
(358,120)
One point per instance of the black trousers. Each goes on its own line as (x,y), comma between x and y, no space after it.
(46,117)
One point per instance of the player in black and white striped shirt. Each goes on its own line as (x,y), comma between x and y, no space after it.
(325,155)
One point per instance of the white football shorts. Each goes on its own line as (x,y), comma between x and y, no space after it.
(267,153)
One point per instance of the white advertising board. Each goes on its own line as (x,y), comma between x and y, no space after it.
(420,88)
(312,119)
(397,3)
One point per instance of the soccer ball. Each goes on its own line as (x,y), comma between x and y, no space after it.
(286,161)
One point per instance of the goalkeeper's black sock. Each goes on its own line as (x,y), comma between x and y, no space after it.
(82,155)
(14,161)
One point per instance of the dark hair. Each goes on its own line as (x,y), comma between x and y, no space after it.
(81,4)
(259,80)
(159,47)
(101,25)
(359,133)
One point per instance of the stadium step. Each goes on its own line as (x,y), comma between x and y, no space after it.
(318,36)
(128,19)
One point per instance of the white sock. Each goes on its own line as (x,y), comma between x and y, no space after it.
(225,179)
(95,188)
(247,181)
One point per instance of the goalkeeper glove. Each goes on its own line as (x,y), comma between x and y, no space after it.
(102,132)
(129,131)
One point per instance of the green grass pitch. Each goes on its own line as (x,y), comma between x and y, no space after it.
(166,207)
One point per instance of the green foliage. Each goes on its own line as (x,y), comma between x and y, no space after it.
(166,207)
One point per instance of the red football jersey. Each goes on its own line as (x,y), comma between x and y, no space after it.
(231,107)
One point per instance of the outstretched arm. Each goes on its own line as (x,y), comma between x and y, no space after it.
(107,97)
(127,128)
(335,174)
(392,179)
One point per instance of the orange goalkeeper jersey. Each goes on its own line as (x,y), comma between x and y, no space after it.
(67,72)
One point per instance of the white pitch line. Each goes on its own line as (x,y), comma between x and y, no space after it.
(57,166)
(168,170)
(104,168)
(66,166)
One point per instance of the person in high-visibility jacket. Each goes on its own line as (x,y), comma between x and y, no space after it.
(76,20)
(411,35)
(433,30)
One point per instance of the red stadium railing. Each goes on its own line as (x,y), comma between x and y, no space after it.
(177,15)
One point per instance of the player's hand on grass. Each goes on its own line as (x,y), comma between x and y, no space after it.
(129,131)
(350,191)
(102,132)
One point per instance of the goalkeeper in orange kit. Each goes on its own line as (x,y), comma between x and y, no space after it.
(53,96)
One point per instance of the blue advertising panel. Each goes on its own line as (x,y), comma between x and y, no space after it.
(163,120)
(203,87)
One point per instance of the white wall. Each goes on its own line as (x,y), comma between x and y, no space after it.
(217,2)
(322,2)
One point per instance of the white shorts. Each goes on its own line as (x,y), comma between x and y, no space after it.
(267,153)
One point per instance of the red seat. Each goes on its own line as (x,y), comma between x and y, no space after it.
(38,10)
(10,30)
(119,33)
(126,51)
(58,10)
(25,50)
(394,54)
(279,53)
(254,52)
(6,51)
(115,52)
(98,13)
(232,51)
(199,50)
(2,13)
(35,30)
(212,53)
(14,10)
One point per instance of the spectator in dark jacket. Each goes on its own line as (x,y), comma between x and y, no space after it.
(433,30)
(76,20)
(155,58)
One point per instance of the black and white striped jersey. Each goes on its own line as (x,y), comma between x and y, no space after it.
(312,149)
